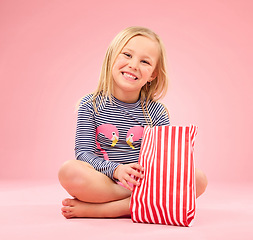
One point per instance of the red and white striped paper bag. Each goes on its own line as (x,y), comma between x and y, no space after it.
(166,194)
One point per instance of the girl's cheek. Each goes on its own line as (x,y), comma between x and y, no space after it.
(147,71)
(120,62)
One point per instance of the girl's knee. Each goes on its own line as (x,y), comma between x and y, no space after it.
(65,170)
(72,173)
(201,182)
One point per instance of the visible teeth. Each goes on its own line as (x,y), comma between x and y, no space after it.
(129,75)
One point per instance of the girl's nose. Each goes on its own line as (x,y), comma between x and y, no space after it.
(133,63)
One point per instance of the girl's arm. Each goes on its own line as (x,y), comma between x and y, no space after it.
(85,141)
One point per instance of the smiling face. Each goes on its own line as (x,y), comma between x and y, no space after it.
(134,67)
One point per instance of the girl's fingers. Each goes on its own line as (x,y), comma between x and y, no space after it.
(126,185)
(135,173)
(134,182)
(137,166)
(128,173)
(130,179)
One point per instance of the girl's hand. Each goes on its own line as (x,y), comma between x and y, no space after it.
(126,173)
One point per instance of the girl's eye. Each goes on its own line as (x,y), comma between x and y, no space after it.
(146,62)
(127,54)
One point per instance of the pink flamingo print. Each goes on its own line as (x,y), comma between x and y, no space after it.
(110,132)
(134,134)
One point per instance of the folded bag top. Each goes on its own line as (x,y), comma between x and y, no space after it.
(166,194)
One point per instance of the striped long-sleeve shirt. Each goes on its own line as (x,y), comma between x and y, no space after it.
(112,136)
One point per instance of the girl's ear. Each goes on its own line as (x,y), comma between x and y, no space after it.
(154,75)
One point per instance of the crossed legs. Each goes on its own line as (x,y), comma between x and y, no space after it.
(95,195)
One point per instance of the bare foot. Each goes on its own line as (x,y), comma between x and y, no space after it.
(75,208)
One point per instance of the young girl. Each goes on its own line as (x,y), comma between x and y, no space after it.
(110,125)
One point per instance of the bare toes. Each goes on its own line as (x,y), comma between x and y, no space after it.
(67,214)
(67,202)
(65,209)
(73,208)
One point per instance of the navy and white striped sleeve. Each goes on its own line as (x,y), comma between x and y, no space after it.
(85,141)
(160,115)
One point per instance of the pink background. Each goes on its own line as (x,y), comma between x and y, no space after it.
(51,54)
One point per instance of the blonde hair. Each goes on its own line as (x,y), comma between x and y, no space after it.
(154,91)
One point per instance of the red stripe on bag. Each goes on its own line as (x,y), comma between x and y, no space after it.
(165,171)
(159,189)
(171,181)
(148,191)
(178,174)
(185,188)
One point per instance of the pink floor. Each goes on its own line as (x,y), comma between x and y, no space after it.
(32,211)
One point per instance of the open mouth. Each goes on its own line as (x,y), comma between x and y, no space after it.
(129,75)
